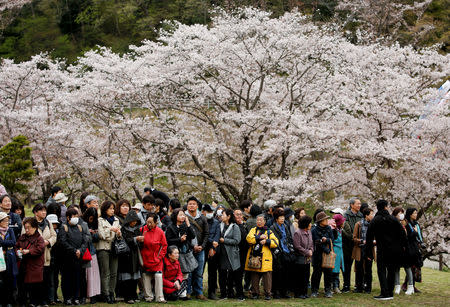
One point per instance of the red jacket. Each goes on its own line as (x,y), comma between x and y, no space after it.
(32,264)
(171,273)
(154,249)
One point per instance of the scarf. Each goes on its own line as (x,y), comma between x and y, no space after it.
(364,227)
(42,225)
(110,219)
(283,238)
(3,231)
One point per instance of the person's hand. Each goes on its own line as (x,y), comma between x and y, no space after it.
(25,251)
(46,243)
(119,233)
(332,223)
(197,248)
(263,242)
(177,285)
(183,238)
(370,259)
(310,253)
(364,242)
(263,236)
(221,240)
(114,229)
(324,239)
(78,253)
(140,238)
(187,222)
(211,253)
(215,244)
(92,231)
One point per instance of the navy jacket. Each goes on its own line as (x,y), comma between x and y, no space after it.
(15,223)
(320,247)
(214,233)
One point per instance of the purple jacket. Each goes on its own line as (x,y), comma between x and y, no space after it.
(303,243)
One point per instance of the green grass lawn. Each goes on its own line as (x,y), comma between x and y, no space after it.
(435,292)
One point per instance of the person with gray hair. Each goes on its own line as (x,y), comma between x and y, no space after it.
(352,216)
(269,207)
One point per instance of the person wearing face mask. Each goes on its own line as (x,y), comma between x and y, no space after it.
(211,245)
(73,245)
(399,214)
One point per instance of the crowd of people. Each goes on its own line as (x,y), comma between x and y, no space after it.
(158,250)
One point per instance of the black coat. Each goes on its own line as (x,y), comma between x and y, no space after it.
(72,238)
(174,233)
(243,245)
(318,232)
(413,254)
(390,239)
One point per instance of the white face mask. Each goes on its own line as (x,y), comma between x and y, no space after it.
(73,221)
(209,215)
(401,216)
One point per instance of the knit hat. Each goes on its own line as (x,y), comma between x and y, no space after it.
(90,198)
(60,198)
(3,215)
(270,203)
(321,216)
(339,219)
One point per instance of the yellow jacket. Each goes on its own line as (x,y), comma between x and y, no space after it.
(266,253)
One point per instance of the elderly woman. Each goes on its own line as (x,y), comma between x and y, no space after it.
(47,232)
(259,256)
(30,249)
(173,282)
(304,248)
(15,222)
(7,277)
(229,258)
(153,251)
(108,229)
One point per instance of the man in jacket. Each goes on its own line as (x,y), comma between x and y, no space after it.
(352,216)
(391,244)
(201,228)
(212,257)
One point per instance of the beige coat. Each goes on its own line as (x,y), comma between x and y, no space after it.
(105,234)
(49,234)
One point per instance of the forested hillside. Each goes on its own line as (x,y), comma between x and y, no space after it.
(67,28)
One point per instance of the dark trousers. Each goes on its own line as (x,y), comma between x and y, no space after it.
(128,289)
(386,276)
(6,289)
(228,278)
(54,280)
(348,261)
(317,275)
(33,291)
(213,266)
(50,287)
(83,283)
(71,280)
(301,272)
(281,278)
(363,275)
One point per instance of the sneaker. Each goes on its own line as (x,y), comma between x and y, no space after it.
(212,296)
(345,290)
(130,302)
(314,294)
(241,298)
(336,290)
(329,295)
(255,296)
(383,298)
(267,297)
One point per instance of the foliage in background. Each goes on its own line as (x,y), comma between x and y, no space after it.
(16,166)
(68,28)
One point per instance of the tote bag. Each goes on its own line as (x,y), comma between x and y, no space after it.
(328,260)
(2,261)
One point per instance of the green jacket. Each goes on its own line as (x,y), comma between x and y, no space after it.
(347,233)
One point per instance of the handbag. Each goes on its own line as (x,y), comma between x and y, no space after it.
(2,260)
(188,263)
(87,255)
(120,247)
(254,262)
(328,260)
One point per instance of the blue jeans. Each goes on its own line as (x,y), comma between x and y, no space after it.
(195,280)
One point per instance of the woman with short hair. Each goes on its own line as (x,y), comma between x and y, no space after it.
(30,249)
